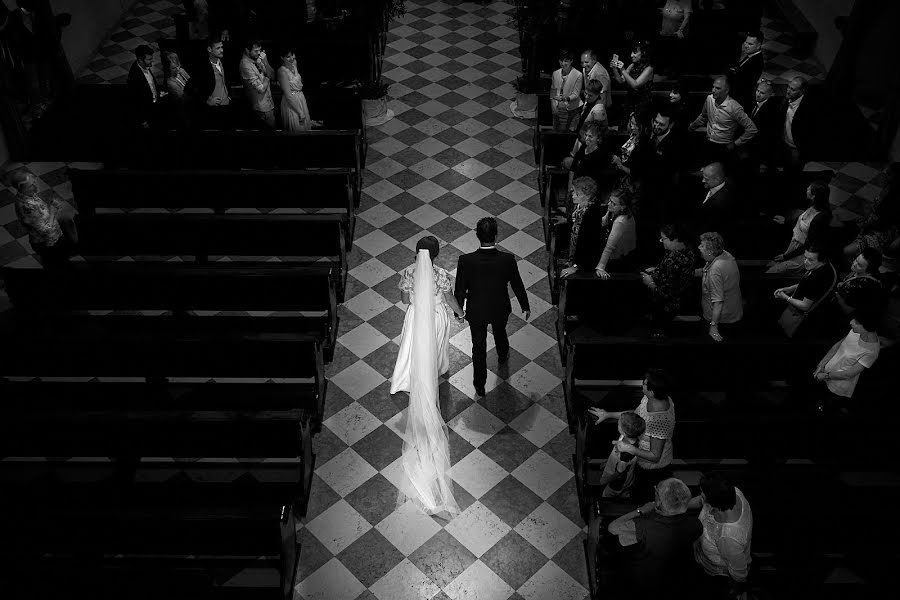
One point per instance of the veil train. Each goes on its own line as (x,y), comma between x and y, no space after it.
(426,448)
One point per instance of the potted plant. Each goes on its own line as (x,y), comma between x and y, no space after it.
(374,101)
(525,105)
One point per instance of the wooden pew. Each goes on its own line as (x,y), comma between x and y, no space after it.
(182,287)
(327,189)
(299,240)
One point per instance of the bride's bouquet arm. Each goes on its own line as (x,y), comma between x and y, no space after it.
(451,301)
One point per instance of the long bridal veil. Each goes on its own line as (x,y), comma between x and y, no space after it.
(426,448)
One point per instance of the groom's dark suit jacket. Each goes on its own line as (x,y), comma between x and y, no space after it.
(481,279)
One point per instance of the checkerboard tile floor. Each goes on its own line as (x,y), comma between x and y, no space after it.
(452,154)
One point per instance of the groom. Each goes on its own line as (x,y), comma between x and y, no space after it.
(481,280)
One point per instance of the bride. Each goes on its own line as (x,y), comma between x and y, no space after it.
(423,357)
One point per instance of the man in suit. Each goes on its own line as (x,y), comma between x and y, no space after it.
(481,280)
(143,93)
(798,124)
(721,206)
(209,87)
(748,70)
(663,165)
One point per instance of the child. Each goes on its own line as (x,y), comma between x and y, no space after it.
(618,474)
(565,92)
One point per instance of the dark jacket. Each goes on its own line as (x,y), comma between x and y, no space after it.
(591,238)
(481,285)
(803,127)
(140,96)
(743,79)
(769,120)
(719,213)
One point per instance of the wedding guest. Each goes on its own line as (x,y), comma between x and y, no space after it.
(143,93)
(634,157)
(811,229)
(591,111)
(676,105)
(592,159)
(50,224)
(565,93)
(723,549)
(294,110)
(591,70)
(676,16)
(804,297)
(655,541)
(862,287)
(800,125)
(638,79)
(619,229)
(880,228)
(722,116)
(720,287)
(749,69)
(176,77)
(618,471)
(586,225)
(670,280)
(257,74)
(842,365)
(209,87)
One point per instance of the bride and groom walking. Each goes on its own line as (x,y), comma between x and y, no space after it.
(481,287)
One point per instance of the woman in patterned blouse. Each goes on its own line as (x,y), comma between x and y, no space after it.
(672,277)
(50,225)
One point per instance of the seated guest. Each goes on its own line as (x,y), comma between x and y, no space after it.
(176,77)
(618,472)
(811,229)
(676,105)
(638,80)
(861,288)
(720,299)
(586,225)
(748,70)
(670,280)
(655,542)
(654,449)
(802,298)
(617,229)
(723,550)
(143,93)
(841,367)
(721,207)
(765,113)
(592,159)
(209,87)
(565,93)
(257,74)
(721,118)
(592,111)
(50,224)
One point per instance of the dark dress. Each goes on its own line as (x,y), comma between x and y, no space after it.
(596,165)
(674,276)
(641,99)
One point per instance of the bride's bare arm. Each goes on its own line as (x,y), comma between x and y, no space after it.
(450,299)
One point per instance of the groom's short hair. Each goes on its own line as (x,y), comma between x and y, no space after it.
(486,230)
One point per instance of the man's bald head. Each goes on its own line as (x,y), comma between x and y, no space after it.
(796,88)
(720,88)
(713,175)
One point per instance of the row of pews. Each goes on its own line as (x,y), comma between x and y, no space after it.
(162,391)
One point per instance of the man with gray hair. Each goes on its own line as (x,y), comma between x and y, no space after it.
(656,541)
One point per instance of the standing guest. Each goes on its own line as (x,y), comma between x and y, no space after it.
(621,238)
(481,289)
(592,111)
(799,125)
(638,77)
(565,93)
(676,105)
(721,117)
(294,111)
(842,365)
(634,159)
(664,161)
(654,449)
(766,115)
(720,299)
(593,70)
(655,541)
(811,229)
(803,297)
(257,74)
(676,15)
(176,77)
(592,159)
(723,549)
(50,225)
(143,93)
(670,280)
(721,206)
(749,69)
(209,87)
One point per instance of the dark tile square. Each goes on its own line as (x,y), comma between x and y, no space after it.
(406,180)
(450,157)
(408,157)
(384,358)
(448,230)
(442,558)
(343,358)
(555,402)
(508,449)
(403,203)
(514,559)
(451,117)
(492,137)
(413,99)
(326,445)
(375,499)
(486,38)
(321,497)
(493,158)
(571,559)
(410,136)
(370,557)
(459,447)
(504,401)
(491,98)
(451,98)
(417,66)
(380,448)
(412,116)
(495,203)
(561,448)
(388,322)
(121,36)
(493,179)
(380,403)
(451,137)
(491,117)
(451,38)
(452,66)
(419,51)
(401,229)
(449,203)
(313,554)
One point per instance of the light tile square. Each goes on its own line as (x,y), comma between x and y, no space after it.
(386,167)
(476,424)
(332,581)
(470,215)
(515,168)
(477,528)
(427,191)
(478,582)
(547,529)
(534,381)
(379,215)
(404,582)
(470,126)
(372,272)
(471,167)
(517,191)
(376,242)
(521,243)
(407,528)
(382,190)
(518,216)
(530,273)
(363,340)
(531,341)
(538,425)
(346,472)
(338,526)
(353,422)
(472,191)
(542,474)
(425,216)
(471,147)
(429,167)
(367,304)
(477,473)
(463,341)
(358,380)
(430,146)
(552,582)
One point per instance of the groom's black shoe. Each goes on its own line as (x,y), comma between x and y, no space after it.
(479,389)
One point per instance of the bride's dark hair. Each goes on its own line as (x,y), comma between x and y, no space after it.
(430,243)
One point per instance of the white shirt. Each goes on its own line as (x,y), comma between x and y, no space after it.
(713,191)
(789,122)
(150,81)
(851,351)
(599,73)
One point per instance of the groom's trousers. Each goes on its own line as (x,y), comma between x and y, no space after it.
(479,346)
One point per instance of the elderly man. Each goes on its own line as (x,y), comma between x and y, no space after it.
(593,70)
(721,117)
(720,208)
(257,74)
(720,300)
(655,541)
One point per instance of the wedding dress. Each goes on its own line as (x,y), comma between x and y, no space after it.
(426,447)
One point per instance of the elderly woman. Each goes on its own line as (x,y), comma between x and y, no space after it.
(861,288)
(720,299)
(621,238)
(654,448)
(50,224)
(811,229)
(586,222)
(672,277)
(638,79)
